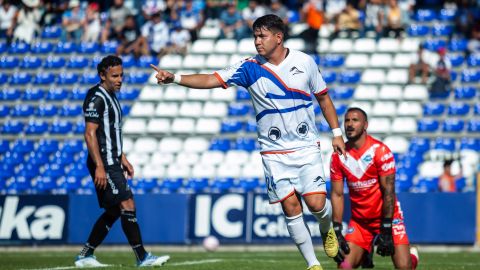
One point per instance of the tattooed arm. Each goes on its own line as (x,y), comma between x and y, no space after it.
(387,185)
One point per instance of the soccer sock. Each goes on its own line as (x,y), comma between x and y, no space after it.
(100,231)
(414,261)
(301,236)
(324,217)
(132,232)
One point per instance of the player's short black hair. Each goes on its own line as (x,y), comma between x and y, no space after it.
(359,110)
(271,22)
(108,62)
(447,163)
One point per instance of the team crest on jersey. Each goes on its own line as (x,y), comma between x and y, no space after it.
(302,129)
(320,181)
(295,70)
(367,158)
(274,133)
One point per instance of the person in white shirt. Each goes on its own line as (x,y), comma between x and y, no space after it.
(7,22)
(283,83)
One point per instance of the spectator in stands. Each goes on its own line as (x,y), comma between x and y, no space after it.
(191,19)
(441,84)
(157,34)
(277,8)
(394,18)
(7,22)
(465,19)
(473,45)
(232,24)
(72,21)
(347,21)
(131,39)
(53,12)
(27,21)
(91,24)
(253,11)
(419,64)
(312,14)
(447,181)
(179,40)
(116,19)
(214,8)
(151,7)
(374,18)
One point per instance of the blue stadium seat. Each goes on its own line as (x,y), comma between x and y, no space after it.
(476,108)
(67,78)
(79,93)
(57,94)
(333,61)
(222,184)
(28,170)
(329,76)
(293,16)
(403,182)
(45,184)
(471,76)
(54,62)
(474,60)
(465,92)
(22,110)
(90,78)
(457,45)
(6,171)
(350,76)
(54,170)
(453,125)
(65,48)
(425,15)
(146,60)
(470,143)
(341,109)
(52,32)
(128,61)
(12,127)
(417,30)
(31,62)
(38,158)
(456,59)
(434,44)
(62,158)
(126,109)
(129,94)
(20,185)
(36,127)
(4,146)
(4,110)
(9,62)
(323,127)
(10,94)
(3,78)
(231,126)
(137,77)
(77,62)
(247,184)
(238,109)
(42,47)
(461,183)
(88,47)
(442,30)
(20,78)
(196,184)
(242,94)
(69,110)
(23,146)
(19,48)
(443,143)
(3,46)
(12,159)
(427,125)
(251,126)
(458,108)
(109,47)
(447,14)
(46,110)
(171,185)
(474,125)
(247,144)
(72,183)
(44,78)
(73,146)
(47,146)
(342,92)
(316,109)
(220,144)
(33,94)
(433,109)
(427,184)
(78,170)
(61,127)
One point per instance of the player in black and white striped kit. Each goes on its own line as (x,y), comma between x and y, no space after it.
(109,167)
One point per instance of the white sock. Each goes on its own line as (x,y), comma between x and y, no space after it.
(301,236)
(324,217)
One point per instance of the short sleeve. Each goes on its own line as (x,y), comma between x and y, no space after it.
(336,173)
(317,83)
(384,161)
(93,109)
(236,74)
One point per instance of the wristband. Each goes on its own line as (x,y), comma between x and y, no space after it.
(386,225)
(177,78)
(337,132)
(337,226)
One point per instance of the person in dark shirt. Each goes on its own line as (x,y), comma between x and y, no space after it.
(131,39)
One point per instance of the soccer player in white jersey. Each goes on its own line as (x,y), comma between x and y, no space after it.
(282,83)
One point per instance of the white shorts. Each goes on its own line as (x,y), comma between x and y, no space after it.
(287,172)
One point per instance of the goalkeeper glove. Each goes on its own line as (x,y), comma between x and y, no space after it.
(384,240)
(342,243)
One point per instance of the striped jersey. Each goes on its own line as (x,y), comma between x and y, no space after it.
(282,98)
(103,108)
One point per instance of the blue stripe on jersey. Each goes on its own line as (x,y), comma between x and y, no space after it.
(291,109)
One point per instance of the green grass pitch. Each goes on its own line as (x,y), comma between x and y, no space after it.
(235,260)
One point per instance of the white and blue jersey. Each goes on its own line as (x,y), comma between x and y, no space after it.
(282,97)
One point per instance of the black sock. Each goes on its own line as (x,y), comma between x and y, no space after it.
(100,231)
(132,232)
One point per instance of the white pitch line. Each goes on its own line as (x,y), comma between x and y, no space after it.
(195,262)
(61,267)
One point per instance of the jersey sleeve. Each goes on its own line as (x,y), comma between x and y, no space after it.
(336,173)
(93,110)
(384,161)
(317,83)
(235,74)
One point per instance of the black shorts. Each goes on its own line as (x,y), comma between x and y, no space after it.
(117,189)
